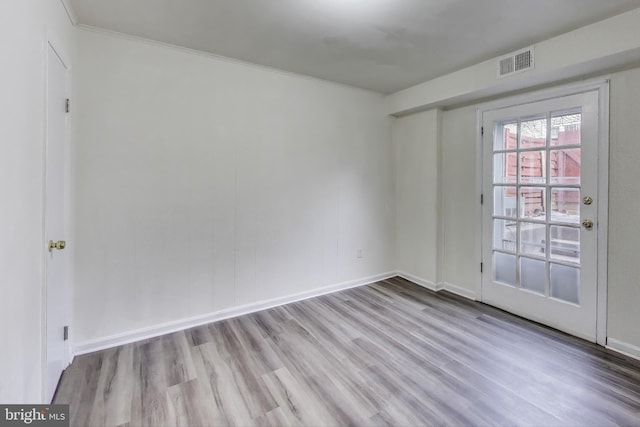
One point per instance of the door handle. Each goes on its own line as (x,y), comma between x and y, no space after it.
(60,244)
(587,223)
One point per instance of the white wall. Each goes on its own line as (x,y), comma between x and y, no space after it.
(460,263)
(205,184)
(624,210)
(24,28)
(415,140)
(459,215)
(436,200)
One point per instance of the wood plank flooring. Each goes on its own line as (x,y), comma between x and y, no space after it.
(390,353)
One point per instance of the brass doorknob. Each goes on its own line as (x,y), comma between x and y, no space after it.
(588,224)
(587,200)
(60,244)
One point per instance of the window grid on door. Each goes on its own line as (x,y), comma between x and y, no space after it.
(536,194)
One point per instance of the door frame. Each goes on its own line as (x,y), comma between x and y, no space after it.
(51,42)
(601,86)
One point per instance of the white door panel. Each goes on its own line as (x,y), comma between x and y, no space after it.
(56,195)
(540,163)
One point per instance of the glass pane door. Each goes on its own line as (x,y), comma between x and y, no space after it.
(539,217)
(536,203)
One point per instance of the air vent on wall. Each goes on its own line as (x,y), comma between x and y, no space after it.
(516,62)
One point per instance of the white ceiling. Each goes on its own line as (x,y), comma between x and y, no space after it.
(382,45)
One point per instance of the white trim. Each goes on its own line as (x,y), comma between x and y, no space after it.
(460,290)
(444,286)
(603,212)
(441,220)
(545,94)
(43,222)
(420,282)
(623,347)
(179,325)
(479,206)
(214,56)
(71,13)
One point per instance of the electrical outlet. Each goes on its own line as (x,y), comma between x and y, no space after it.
(359,253)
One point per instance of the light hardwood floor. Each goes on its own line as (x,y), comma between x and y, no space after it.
(390,353)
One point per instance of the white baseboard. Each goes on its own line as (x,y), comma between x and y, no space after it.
(623,347)
(454,289)
(459,290)
(420,281)
(179,325)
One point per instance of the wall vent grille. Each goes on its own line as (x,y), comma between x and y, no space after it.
(516,62)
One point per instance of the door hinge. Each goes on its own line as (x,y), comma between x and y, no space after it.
(481,267)
(66,333)
(67,105)
(482,130)
(482,199)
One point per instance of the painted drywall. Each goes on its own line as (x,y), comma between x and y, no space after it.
(459,141)
(624,207)
(415,141)
(603,45)
(25,27)
(205,184)
(460,264)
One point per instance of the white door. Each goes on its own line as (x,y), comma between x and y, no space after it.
(539,240)
(56,202)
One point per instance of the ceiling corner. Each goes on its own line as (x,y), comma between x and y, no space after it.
(71,13)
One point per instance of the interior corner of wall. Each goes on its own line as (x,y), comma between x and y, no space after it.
(461,291)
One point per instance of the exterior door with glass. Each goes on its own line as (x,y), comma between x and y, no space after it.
(539,243)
